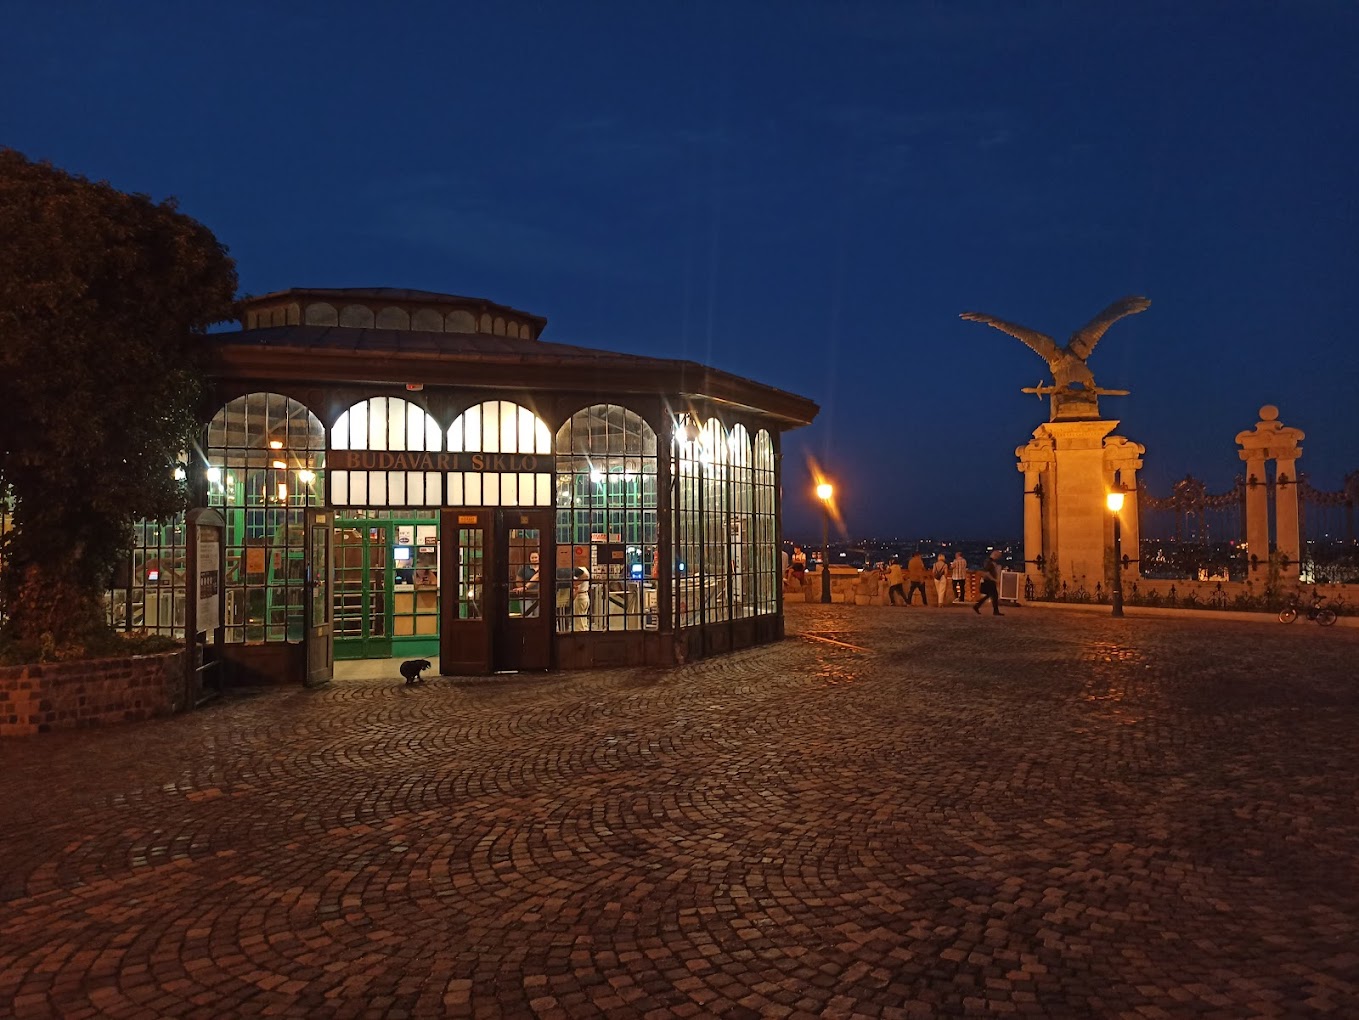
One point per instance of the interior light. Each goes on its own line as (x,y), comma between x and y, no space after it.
(282,492)
(180,473)
(280,464)
(276,444)
(306,477)
(596,475)
(215,474)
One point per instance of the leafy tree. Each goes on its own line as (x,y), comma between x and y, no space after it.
(102,295)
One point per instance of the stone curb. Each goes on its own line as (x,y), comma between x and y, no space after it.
(1182,614)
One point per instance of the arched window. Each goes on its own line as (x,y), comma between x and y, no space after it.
(321,314)
(607,520)
(501,427)
(715,461)
(266,458)
(744,590)
(428,320)
(356,316)
(385,437)
(766,525)
(723,523)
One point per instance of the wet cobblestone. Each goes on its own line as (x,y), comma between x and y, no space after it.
(894,813)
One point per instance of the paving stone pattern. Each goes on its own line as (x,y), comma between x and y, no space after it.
(894,813)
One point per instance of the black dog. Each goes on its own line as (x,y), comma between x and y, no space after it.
(412,668)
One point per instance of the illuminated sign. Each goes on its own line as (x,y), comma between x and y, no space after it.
(383,460)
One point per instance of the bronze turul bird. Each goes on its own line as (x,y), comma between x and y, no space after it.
(1074,393)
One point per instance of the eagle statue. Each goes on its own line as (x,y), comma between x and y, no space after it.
(1075,397)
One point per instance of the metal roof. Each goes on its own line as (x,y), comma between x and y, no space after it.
(341,294)
(337,353)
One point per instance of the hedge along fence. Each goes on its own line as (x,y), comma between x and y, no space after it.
(39,697)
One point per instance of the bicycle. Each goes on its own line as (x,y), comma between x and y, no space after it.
(1319,610)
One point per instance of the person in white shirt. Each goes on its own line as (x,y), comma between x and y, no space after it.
(940,574)
(959,576)
(580,599)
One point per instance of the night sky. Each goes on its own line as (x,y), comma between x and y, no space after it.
(807,194)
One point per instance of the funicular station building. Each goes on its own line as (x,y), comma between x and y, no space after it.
(404,474)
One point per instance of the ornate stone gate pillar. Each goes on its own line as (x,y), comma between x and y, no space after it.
(1036,459)
(1270,440)
(1122,460)
(1287,544)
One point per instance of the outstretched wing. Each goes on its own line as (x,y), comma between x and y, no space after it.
(1083,341)
(1040,342)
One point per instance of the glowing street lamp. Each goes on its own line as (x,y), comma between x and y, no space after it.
(824,491)
(1114,501)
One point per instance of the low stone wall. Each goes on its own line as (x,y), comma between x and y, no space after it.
(869,588)
(1241,596)
(41,697)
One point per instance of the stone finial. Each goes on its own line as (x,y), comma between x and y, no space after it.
(1270,439)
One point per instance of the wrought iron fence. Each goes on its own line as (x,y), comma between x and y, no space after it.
(1193,533)
(1330,547)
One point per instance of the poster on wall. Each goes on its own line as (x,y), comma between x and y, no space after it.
(209,579)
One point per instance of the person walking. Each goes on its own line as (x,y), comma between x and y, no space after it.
(894,581)
(940,574)
(916,574)
(990,585)
(959,576)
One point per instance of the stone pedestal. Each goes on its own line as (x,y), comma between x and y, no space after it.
(1069,467)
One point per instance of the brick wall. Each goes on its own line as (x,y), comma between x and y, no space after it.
(61,695)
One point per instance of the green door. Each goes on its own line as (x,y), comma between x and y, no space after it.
(363,584)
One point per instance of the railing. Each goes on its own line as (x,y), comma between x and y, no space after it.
(1330,546)
(1193,533)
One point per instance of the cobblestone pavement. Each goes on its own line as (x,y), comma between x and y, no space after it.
(899,813)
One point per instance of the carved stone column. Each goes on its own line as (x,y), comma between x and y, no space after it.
(1036,458)
(1270,440)
(1257,511)
(1122,461)
(1286,539)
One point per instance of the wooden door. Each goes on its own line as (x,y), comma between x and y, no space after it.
(523,591)
(466,559)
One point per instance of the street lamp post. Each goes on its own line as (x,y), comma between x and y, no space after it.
(1115,503)
(824,491)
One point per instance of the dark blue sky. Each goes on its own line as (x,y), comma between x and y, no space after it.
(804,193)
